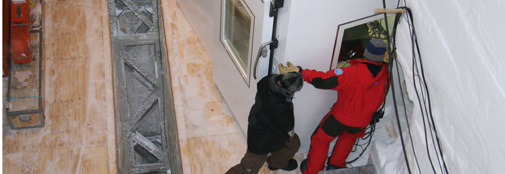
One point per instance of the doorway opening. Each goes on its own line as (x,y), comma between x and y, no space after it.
(350,43)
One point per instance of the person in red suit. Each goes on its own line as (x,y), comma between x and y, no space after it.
(361,91)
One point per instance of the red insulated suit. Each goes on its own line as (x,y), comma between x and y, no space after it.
(361,89)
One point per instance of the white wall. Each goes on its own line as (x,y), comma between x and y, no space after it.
(462,47)
(200,15)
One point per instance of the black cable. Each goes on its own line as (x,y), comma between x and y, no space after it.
(393,39)
(426,98)
(426,103)
(395,26)
(399,125)
(372,130)
(397,19)
(389,81)
(389,54)
(400,128)
(397,115)
(407,119)
(414,68)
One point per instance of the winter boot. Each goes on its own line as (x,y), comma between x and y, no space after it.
(291,166)
(331,166)
(303,165)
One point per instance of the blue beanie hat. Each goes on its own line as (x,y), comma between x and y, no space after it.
(375,50)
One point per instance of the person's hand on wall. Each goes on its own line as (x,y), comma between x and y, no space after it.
(290,68)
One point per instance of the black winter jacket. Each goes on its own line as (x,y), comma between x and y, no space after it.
(271,117)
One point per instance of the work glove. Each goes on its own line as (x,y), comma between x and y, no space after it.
(290,68)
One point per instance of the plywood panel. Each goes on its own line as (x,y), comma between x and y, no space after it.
(77,89)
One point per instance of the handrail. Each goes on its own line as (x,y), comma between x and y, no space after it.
(259,54)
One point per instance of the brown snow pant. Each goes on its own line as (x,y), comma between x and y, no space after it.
(251,163)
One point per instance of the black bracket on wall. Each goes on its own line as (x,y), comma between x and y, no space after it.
(274,44)
(274,9)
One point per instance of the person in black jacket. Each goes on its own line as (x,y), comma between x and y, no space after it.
(270,134)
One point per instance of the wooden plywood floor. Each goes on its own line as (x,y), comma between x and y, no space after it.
(78,96)
(79,135)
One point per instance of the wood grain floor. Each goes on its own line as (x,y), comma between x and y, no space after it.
(79,133)
(78,96)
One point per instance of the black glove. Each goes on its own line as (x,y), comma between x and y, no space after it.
(377,115)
